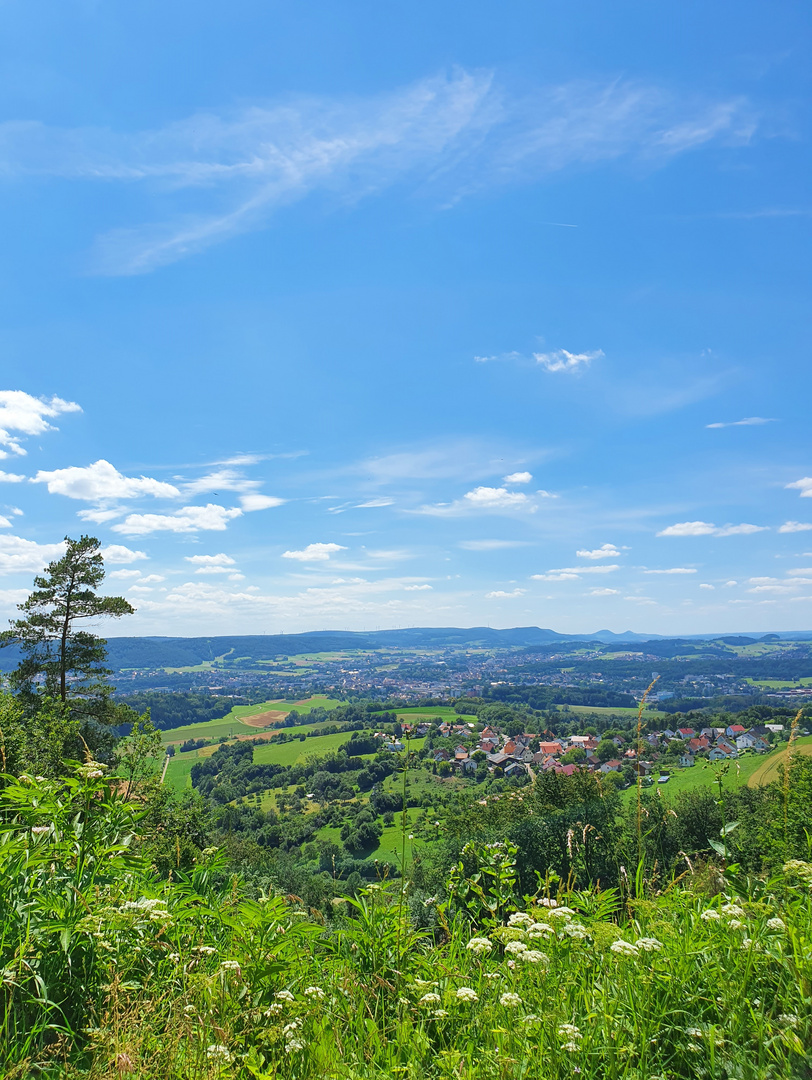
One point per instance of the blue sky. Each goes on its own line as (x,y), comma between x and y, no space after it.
(358,315)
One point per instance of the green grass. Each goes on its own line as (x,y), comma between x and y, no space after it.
(232,723)
(290,753)
(770,769)
(781,684)
(618,710)
(704,773)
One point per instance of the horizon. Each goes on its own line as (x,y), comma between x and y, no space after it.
(410,316)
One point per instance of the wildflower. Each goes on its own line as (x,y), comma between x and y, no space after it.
(533,956)
(732,909)
(314,992)
(776,923)
(539,929)
(284,995)
(789,1020)
(209,851)
(623,948)
(230,965)
(440,1013)
(479,945)
(511,964)
(510,1000)
(569,1031)
(575,929)
(216,1052)
(293,1026)
(491,975)
(430,999)
(531,1018)
(649,944)
(292,1045)
(562,913)
(695,1033)
(515,947)
(800,868)
(38,830)
(189,1009)
(709,916)
(520,918)
(746,943)
(465,993)
(272,1010)
(735,924)
(544,902)
(174,957)
(570,1047)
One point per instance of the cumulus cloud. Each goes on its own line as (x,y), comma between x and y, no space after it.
(672,570)
(118,553)
(124,575)
(22,414)
(314,552)
(605,551)
(704,585)
(804,485)
(20,556)
(517,478)
(499,594)
(210,560)
(795,526)
(706,528)
(604,592)
(188,519)
(101,482)
(561,360)
(416,588)
(483,500)
(249,503)
(748,421)
(10,477)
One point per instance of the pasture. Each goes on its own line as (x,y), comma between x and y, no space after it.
(244,719)
(770,767)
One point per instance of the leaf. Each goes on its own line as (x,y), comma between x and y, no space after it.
(728,828)
(717,847)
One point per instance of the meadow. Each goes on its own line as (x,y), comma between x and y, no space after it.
(234,723)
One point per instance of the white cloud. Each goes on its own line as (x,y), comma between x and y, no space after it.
(795,526)
(18,555)
(804,485)
(314,552)
(118,553)
(705,528)
(124,575)
(556,575)
(570,573)
(704,585)
(98,515)
(151,579)
(10,477)
(221,560)
(222,480)
(102,482)
(5,522)
(517,478)
(640,599)
(236,577)
(249,503)
(672,570)
(416,588)
(453,135)
(749,421)
(210,517)
(482,499)
(604,592)
(490,545)
(561,360)
(800,571)
(605,551)
(370,503)
(495,498)
(498,594)
(730,584)
(22,414)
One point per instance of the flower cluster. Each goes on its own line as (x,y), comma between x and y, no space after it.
(624,948)
(479,945)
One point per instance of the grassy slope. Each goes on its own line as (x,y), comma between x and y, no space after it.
(769,768)
(232,723)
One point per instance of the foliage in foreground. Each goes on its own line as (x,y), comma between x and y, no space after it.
(108,971)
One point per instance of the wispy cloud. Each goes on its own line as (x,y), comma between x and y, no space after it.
(499,594)
(573,573)
(706,528)
(672,570)
(795,526)
(314,552)
(490,545)
(748,421)
(216,175)
(561,360)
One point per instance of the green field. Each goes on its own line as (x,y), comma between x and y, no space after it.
(605,710)
(233,722)
(770,767)
(742,770)
(781,684)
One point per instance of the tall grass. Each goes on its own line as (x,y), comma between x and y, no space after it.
(109,972)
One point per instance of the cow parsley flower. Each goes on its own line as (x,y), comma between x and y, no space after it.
(776,923)
(623,948)
(695,1033)
(38,830)
(545,902)
(273,1010)
(491,974)
(465,993)
(789,1020)
(711,915)
(561,913)
(216,1052)
(293,1045)
(570,1047)
(533,956)
(510,1000)
(284,995)
(230,965)
(539,929)
(515,947)
(735,924)
(204,950)
(569,1031)
(292,1027)
(440,1013)
(732,909)
(479,945)
(575,930)
(314,992)
(430,999)
(520,918)
(649,944)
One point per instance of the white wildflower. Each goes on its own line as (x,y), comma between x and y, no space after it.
(575,929)
(695,1033)
(465,993)
(533,956)
(623,948)
(561,913)
(539,929)
(520,918)
(230,965)
(732,909)
(38,830)
(292,1045)
(570,1047)
(735,924)
(569,1031)
(479,945)
(799,868)
(789,1020)
(189,1009)
(314,992)
(430,999)
(440,1013)
(649,944)
(293,1026)
(491,974)
(548,903)
(746,943)
(531,1018)
(204,950)
(710,915)
(216,1052)
(174,957)
(510,1000)
(515,947)
(776,923)
(284,995)
(273,1010)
